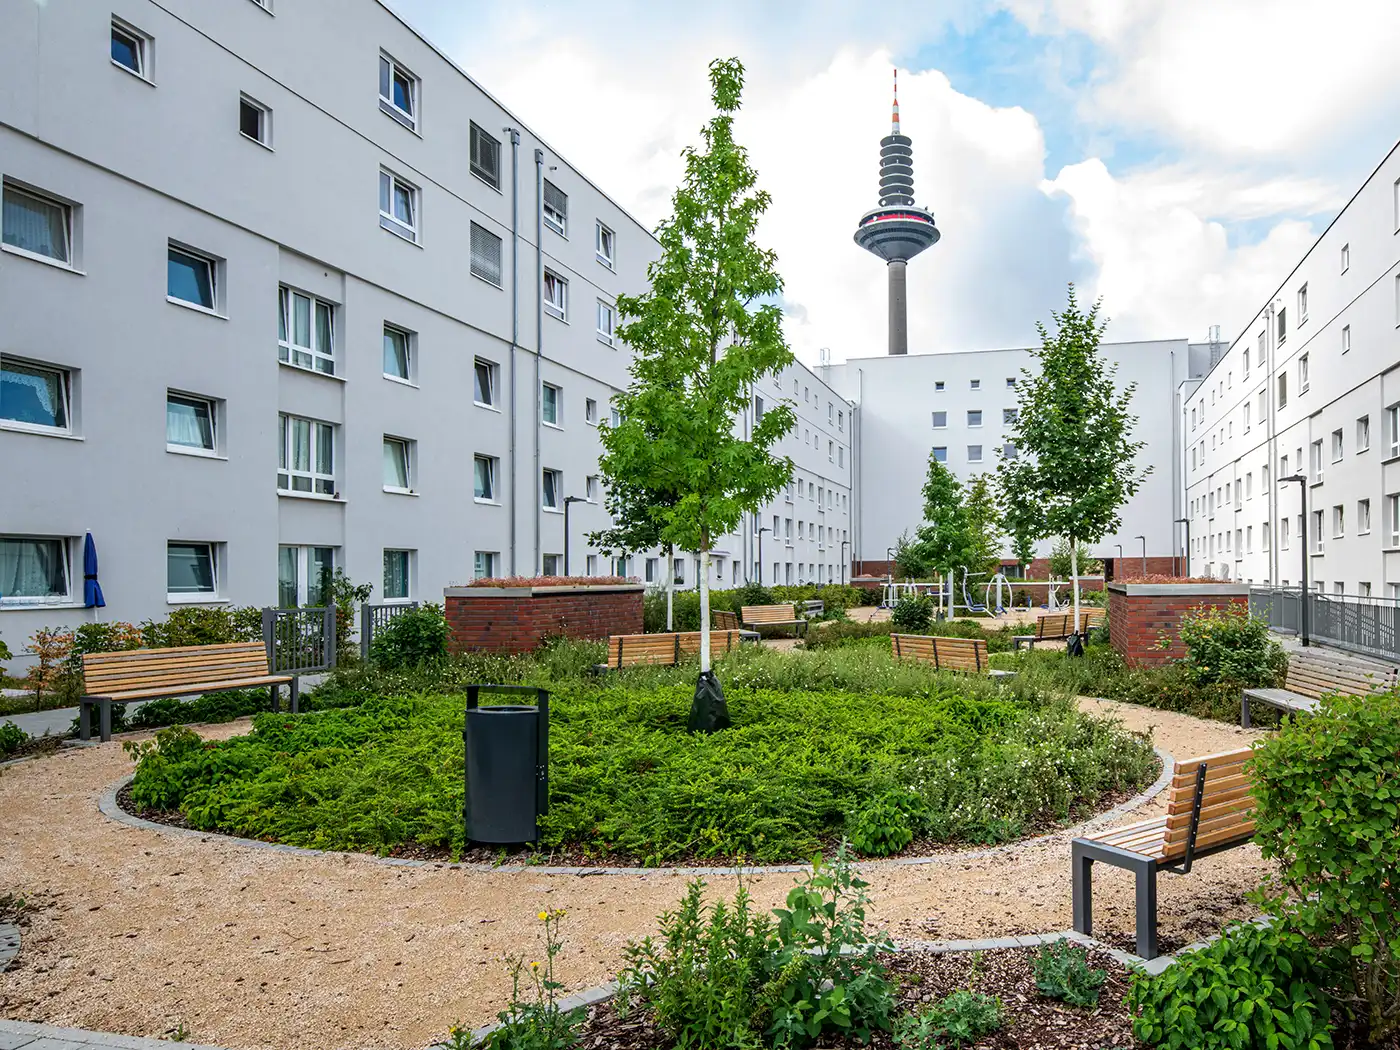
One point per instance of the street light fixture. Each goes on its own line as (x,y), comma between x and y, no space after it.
(1187,523)
(1302,481)
(1144,554)
(568,501)
(845,561)
(761,530)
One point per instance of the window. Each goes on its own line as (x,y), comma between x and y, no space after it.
(556,209)
(678,571)
(34,570)
(131,49)
(1009,416)
(485,255)
(830,412)
(189,424)
(255,121)
(1364,589)
(974,418)
(189,278)
(1392,430)
(551,489)
(1346,338)
(191,571)
(590,411)
(974,453)
(607,323)
(1336,445)
(840,422)
(398,568)
(938,385)
(649,569)
(976,384)
(1346,257)
(1363,517)
(830,448)
(306,459)
(549,404)
(757,408)
(304,576)
(604,242)
(398,361)
(1008,451)
(556,295)
(398,206)
(485,157)
(484,564)
(398,464)
(1248,539)
(1283,534)
(841,456)
(1246,417)
(1315,459)
(1303,305)
(37,226)
(1282,390)
(1392,514)
(485,479)
(1264,536)
(590,565)
(1249,486)
(398,92)
(1318,542)
(1363,433)
(1338,522)
(1303,373)
(614,418)
(1282,326)
(940,453)
(306,331)
(1245,358)
(1397,205)
(35,397)
(484,382)
(1261,349)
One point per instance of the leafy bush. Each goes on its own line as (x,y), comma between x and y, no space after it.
(1255,987)
(162,765)
(1329,812)
(1062,971)
(413,637)
(222,706)
(961,1018)
(686,604)
(885,825)
(913,613)
(1230,645)
(198,625)
(12,738)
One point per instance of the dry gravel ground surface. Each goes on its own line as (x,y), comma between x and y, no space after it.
(139,931)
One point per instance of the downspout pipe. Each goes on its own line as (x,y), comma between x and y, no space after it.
(539,338)
(514,334)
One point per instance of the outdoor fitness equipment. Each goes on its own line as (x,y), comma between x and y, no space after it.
(995,586)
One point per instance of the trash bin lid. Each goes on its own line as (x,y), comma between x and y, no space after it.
(505,709)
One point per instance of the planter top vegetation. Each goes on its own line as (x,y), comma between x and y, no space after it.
(1158,585)
(530,585)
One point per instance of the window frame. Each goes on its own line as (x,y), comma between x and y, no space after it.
(144,50)
(558,421)
(484,564)
(553,219)
(1363,433)
(557,477)
(410,231)
(1303,304)
(478,139)
(409,560)
(1346,257)
(1363,517)
(69,210)
(603,235)
(66,547)
(482,272)
(287,349)
(317,477)
(407,450)
(410,355)
(936,424)
(480,459)
(970,450)
(556,306)
(213,266)
(305,556)
(65,384)
(607,336)
(974,412)
(493,382)
(212,407)
(1304,378)
(408,118)
(264,112)
(201,596)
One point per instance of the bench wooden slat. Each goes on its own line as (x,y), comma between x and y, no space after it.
(173,653)
(626,650)
(1221,791)
(946,654)
(1233,757)
(196,687)
(770,615)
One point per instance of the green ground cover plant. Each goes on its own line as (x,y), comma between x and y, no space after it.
(816,736)
(958,1019)
(877,633)
(1062,971)
(686,608)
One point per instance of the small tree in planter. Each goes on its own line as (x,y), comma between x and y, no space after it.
(704,334)
(1076,459)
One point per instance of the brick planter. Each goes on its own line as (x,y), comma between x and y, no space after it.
(1141,615)
(519,619)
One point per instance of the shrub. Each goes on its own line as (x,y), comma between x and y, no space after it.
(1230,645)
(913,613)
(12,738)
(413,637)
(198,625)
(1329,812)
(961,1018)
(1062,971)
(885,825)
(161,764)
(1255,987)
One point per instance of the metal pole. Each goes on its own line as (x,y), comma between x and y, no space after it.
(568,501)
(1303,609)
(845,561)
(1144,554)
(513,411)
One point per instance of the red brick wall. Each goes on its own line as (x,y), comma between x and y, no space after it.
(1130,568)
(1139,622)
(520,620)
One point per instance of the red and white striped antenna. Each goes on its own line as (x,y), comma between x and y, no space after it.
(894,122)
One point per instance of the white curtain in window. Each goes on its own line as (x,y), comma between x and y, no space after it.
(287,559)
(35,225)
(395,464)
(33,568)
(187,423)
(32,395)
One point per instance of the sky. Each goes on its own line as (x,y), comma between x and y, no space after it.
(1174,157)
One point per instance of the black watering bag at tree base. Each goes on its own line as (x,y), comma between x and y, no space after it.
(1074,645)
(507,766)
(708,711)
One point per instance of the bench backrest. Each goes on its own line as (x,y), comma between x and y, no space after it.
(1314,673)
(726,620)
(1061,625)
(629,650)
(158,668)
(1227,806)
(768,614)
(946,654)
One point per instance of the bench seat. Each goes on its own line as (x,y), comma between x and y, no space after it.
(772,616)
(1057,627)
(1312,673)
(663,649)
(967,655)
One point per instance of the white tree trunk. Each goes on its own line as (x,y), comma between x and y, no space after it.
(670,587)
(704,610)
(1074,578)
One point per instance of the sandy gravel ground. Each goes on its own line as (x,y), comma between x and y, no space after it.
(136,930)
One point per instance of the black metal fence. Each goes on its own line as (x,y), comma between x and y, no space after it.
(299,641)
(1360,624)
(373,617)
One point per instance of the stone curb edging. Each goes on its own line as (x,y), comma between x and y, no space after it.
(46,1035)
(9,944)
(107,805)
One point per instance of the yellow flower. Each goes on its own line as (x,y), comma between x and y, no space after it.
(543,916)
(534,966)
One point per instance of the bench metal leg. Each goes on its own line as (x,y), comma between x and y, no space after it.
(276,691)
(1147,911)
(1083,853)
(294,687)
(1244,711)
(104,719)
(84,719)
(1082,880)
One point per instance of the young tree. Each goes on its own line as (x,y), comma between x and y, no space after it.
(943,539)
(1076,463)
(984,531)
(908,560)
(1023,550)
(704,334)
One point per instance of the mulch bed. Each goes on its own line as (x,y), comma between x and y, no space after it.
(1033,1021)
(35,745)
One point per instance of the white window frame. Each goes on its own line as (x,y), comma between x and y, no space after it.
(215,279)
(212,407)
(491,464)
(557,507)
(974,453)
(388,220)
(484,564)
(555,290)
(1363,517)
(1304,382)
(605,244)
(288,350)
(607,314)
(70,212)
(194,597)
(410,571)
(1392,426)
(407,448)
(1346,258)
(304,562)
(976,384)
(1339,521)
(550,563)
(481,272)
(591,488)
(410,353)
(1392,502)
(558,421)
(1303,304)
(145,50)
(65,383)
(264,136)
(319,478)
(492,377)
(1346,338)
(1319,541)
(553,218)
(407,117)
(1363,433)
(1338,449)
(476,133)
(66,597)
(974,413)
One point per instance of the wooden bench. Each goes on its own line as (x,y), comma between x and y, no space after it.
(1057,627)
(756,616)
(664,649)
(1314,672)
(152,674)
(947,654)
(729,621)
(1209,809)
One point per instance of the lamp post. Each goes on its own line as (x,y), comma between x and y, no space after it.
(568,500)
(1302,481)
(761,530)
(1187,523)
(1144,554)
(845,561)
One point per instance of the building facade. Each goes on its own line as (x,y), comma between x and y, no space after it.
(1309,390)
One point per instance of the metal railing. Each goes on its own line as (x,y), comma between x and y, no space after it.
(373,617)
(1278,606)
(299,641)
(1362,624)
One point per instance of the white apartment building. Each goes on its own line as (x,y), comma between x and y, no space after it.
(1310,388)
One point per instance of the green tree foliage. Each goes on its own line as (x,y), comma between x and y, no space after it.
(908,558)
(1076,463)
(1063,563)
(943,542)
(705,332)
(984,531)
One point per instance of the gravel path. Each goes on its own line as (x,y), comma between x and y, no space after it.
(137,931)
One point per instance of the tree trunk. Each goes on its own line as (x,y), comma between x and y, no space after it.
(705,605)
(1074,578)
(670,587)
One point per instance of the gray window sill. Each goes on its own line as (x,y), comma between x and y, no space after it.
(195,307)
(312,371)
(37,431)
(195,599)
(195,453)
(57,264)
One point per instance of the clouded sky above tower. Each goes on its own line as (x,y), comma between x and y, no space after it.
(1174,156)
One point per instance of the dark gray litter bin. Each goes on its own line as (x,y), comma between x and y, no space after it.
(507,765)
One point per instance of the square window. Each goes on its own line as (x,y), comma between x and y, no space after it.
(189,424)
(34,570)
(398,354)
(131,49)
(398,464)
(398,206)
(556,209)
(940,453)
(1008,451)
(937,385)
(398,92)
(551,489)
(189,278)
(940,420)
(398,567)
(306,458)
(255,121)
(1010,382)
(484,564)
(34,396)
(485,255)
(604,245)
(485,157)
(306,331)
(484,382)
(191,571)
(974,453)
(549,565)
(556,295)
(607,323)
(974,417)
(550,396)
(36,225)
(485,478)
(976,384)
(1009,416)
